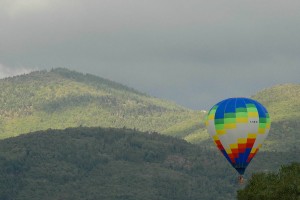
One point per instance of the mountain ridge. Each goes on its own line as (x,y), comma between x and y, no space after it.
(283,104)
(62,98)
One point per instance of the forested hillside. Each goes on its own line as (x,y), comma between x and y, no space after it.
(110,163)
(62,98)
(105,163)
(282,101)
(283,104)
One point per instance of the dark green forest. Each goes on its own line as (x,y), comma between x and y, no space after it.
(284,185)
(106,163)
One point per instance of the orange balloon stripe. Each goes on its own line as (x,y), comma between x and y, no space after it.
(252,155)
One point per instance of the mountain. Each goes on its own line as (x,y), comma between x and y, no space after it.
(62,98)
(122,163)
(107,163)
(283,104)
(282,101)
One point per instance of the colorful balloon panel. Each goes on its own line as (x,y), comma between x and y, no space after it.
(238,127)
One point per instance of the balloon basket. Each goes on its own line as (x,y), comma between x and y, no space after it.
(241,179)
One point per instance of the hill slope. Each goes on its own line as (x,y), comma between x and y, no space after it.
(62,98)
(282,101)
(283,104)
(97,163)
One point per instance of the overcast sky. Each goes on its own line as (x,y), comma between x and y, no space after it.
(193,52)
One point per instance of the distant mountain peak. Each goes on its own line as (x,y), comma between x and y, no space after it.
(91,79)
(62,98)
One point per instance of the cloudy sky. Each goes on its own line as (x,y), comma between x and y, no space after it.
(193,52)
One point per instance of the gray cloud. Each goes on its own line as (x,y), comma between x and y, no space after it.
(192,52)
(8,71)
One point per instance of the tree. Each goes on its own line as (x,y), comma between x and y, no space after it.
(284,185)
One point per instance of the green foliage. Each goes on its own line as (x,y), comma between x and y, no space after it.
(283,104)
(282,101)
(106,163)
(62,98)
(283,185)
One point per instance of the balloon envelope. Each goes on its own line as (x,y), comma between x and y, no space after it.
(238,127)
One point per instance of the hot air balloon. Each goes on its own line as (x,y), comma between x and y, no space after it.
(238,127)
